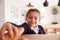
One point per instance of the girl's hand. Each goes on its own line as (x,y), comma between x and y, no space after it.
(11,30)
(16,36)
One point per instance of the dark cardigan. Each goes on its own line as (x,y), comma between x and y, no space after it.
(27,29)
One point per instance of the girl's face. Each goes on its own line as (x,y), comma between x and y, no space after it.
(33,19)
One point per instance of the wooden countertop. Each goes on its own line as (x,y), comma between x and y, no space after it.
(36,37)
(51,26)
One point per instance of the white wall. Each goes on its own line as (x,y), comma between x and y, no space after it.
(2,12)
(7,10)
(46,12)
(12,11)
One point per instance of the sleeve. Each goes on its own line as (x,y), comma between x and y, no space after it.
(25,27)
(13,24)
(41,29)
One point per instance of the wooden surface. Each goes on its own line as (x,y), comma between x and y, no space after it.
(42,37)
(53,27)
(35,37)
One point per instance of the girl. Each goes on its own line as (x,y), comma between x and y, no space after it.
(29,27)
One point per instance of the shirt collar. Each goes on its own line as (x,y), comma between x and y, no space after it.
(34,28)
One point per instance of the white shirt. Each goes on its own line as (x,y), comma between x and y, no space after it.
(36,29)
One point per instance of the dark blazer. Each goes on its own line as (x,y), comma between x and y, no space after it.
(27,29)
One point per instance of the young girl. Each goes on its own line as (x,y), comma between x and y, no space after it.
(29,27)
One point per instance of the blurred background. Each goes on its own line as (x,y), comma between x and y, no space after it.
(15,11)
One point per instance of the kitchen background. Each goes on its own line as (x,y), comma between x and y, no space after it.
(15,11)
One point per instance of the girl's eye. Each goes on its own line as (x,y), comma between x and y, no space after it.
(32,17)
(35,18)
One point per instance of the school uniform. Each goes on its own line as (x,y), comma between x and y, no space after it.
(28,30)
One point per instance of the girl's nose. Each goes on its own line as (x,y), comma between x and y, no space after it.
(32,20)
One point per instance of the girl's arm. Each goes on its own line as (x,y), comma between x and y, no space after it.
(15,37)
(13,31)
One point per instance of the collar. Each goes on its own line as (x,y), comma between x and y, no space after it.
(34,28)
